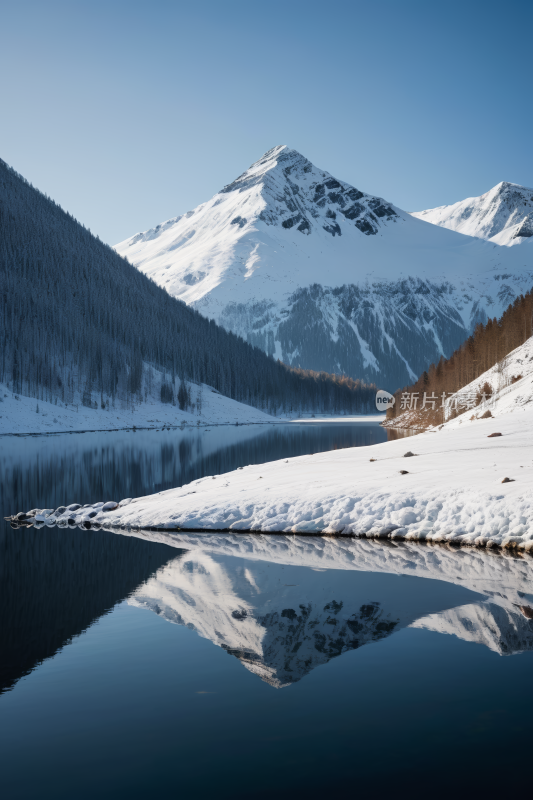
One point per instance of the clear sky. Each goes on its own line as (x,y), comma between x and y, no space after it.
(128,113)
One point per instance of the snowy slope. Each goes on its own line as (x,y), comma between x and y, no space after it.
(323,275)
(509,394)
(20,414)
(511,381)
(503,215)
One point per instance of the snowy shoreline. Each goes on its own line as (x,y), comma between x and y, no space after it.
(21,415)
(468,482)
(449,491)
(376,418)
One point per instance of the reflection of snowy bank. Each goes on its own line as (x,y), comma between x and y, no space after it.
(285,605)
(451,491)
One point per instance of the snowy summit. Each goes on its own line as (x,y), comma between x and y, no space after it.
(326,276)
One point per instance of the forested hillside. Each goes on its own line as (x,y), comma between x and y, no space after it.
(488,346)
(79,322)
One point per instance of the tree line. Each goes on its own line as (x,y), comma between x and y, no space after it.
(486,347)
(79,323)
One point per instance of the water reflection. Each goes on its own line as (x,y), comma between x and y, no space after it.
(284,605)
(46,471)
(352,629)
(55,584)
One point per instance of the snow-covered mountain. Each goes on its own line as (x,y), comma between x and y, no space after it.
(503,215)
(325,276)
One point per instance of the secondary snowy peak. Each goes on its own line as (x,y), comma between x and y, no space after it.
(503,215)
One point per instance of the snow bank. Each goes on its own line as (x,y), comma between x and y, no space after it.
(451,490)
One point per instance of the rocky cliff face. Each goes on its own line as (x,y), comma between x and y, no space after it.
(323,275)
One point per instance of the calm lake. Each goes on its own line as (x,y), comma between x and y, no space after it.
(247,666)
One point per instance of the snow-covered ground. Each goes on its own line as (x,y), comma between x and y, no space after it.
(503,215)
(451,491)
(20,414)
(460,485)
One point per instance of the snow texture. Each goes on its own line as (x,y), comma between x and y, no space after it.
(325,276)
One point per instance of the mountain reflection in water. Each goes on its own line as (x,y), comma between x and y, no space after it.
(284,605)
(53,585)
(121,704)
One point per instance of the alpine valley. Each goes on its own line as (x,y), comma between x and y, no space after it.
(324,276)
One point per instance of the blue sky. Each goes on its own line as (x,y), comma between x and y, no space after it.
(128,113)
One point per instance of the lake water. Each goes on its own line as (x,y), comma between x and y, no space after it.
(242,666)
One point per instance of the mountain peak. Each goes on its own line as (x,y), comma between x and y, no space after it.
(322,275)
(279,156)
(293,193)
(503,215)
